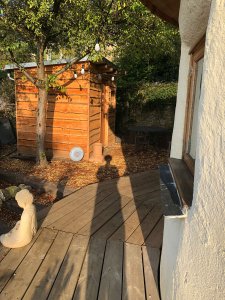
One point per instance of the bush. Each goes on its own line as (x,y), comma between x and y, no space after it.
(154,94)
(146,99)
(7,98)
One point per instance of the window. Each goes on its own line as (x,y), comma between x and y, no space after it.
(194,92)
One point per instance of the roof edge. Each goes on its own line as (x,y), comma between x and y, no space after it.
(159,13)
(55,62)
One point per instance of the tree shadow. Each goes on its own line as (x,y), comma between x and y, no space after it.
(61,187)
(59,194)
(49,286)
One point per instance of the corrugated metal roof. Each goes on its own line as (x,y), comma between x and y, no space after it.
(55,62)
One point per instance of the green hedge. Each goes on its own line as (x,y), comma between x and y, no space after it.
(3,74)
(157,93)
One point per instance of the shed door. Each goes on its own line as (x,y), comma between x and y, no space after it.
(104,116)
(111,117)
(108,116)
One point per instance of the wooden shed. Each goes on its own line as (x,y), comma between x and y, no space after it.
(80,115)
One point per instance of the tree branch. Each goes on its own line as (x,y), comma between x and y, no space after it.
(22,69)
(69,64)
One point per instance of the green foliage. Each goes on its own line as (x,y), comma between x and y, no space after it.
(7,98)
(148,50)
(2,75)
(52,83)
(157,94)
(147,53)
(27,25)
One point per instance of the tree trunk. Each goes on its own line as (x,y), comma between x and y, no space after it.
(42,108)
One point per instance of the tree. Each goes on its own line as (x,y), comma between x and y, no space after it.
(148,52)
(149,48)
(137,38)
(31,26)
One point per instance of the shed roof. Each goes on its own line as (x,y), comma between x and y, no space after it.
(168,10)
(57,62)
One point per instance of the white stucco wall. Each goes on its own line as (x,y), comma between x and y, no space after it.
(171,240)
(193,20)
(199,269)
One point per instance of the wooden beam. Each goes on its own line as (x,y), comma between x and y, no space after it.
(164,9)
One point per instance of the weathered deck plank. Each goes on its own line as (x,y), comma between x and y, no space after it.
(66,200)
(156,236)
(88,284)
(131,224)
(120,218)
(72,205)
(11,261)
(106,215)
(3,252)
(111,279)
(69,272)
(154,257)
(75,211)
(144,229)
(84,215)
(24,270)
(44,278)
(150,281)
(133,280)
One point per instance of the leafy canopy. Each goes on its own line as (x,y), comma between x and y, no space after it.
(147,53)
(149,49)
(26,26)
(145,48)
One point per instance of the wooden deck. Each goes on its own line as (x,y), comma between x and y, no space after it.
(102,242)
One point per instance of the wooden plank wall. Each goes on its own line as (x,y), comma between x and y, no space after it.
(67,114)
(95,111)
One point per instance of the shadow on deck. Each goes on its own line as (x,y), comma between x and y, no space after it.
(101,242)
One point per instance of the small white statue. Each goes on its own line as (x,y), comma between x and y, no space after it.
(26,228)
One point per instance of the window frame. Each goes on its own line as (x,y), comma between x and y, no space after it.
(197,53)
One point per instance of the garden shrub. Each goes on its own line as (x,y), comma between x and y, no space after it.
(7,98)
(157,94)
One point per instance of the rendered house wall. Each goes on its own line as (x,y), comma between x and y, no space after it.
(198,256)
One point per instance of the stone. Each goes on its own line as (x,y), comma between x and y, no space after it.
(23,186)
(26,228)
(2,197)
(6,194)
(12,190)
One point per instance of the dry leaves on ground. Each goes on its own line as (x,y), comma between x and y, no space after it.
(125,160)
